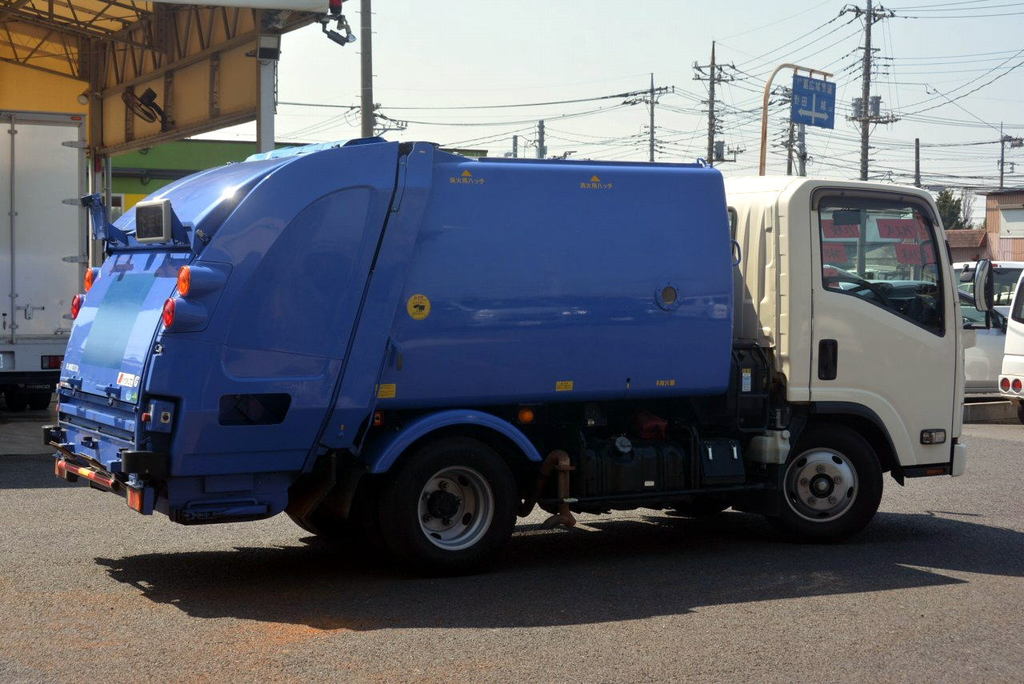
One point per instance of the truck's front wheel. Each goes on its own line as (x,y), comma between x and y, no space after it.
(832,485)
(449,508)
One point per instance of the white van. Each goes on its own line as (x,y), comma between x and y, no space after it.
(1004,280)
(1011,379)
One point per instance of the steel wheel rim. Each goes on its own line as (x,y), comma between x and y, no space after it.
(456,506)
(821,485)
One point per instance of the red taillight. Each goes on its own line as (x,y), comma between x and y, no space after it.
(76,305)
(90,277)
(1017,385)
(49,362)
(184,280)
(168,313)
(334,7)
(1004,384)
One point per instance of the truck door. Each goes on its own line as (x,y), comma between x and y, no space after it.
(43,243)
(883,335)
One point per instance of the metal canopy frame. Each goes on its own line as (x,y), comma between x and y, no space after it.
(116,45)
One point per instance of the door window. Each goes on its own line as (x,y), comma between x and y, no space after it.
(884,253)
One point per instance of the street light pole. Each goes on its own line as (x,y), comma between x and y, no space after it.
(764,107)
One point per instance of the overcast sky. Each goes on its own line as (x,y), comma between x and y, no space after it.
(435,55)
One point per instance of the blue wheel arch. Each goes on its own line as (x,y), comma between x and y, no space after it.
(381,455)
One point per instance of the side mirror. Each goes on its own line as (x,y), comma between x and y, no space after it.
(983,287)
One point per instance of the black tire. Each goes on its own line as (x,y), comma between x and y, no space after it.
(38,401)
(449,508)
(15,399)
(832,485)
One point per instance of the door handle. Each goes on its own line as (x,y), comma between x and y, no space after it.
(828,359)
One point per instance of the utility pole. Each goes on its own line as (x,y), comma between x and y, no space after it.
(715,74)
(917,162)
(366,68)
(801,150)
(515,146)
(865,93)
(789,150)
(542,151)
(651,102)
(862,106)
(1013,142)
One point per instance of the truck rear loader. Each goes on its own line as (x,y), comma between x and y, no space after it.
(391,342)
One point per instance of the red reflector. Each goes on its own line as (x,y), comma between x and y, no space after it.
(378,419)
(76,305)
(146,417)
(135,499)
(1004,384)
(935,471)
(334,6)
(50,362)
(1017,385)
(168,313)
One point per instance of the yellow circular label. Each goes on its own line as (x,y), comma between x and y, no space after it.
(418,307)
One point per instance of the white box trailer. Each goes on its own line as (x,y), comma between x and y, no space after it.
(43,248)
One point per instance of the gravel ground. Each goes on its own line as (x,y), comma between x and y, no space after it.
(932,591)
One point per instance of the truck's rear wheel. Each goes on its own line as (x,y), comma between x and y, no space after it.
(832,485)
(15,399)
(38,400)
(450,507)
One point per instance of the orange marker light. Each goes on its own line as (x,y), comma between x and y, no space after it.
(91,274)
(184,280)
(526,416)
(135,499)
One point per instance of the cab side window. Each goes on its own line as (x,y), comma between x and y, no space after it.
(884,253)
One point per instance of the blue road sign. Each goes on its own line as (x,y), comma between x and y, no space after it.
(814,102)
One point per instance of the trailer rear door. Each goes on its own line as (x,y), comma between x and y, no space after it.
(43,242)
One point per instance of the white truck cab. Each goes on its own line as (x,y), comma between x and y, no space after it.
(850,285)
(1005,275)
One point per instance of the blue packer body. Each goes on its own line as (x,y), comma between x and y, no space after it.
(336,281)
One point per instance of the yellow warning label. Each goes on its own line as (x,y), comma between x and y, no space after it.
(671,382)
(466,178)
(563,386)
(387,391)
(418,307)
(595,184)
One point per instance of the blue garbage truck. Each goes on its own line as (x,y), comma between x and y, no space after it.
(392,343)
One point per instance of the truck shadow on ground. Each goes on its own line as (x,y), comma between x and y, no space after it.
(624,570)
